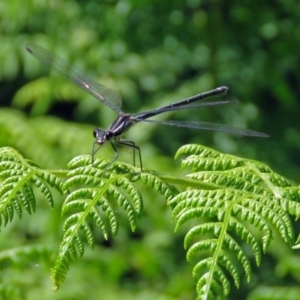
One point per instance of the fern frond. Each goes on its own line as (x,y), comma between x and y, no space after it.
(97,198)
(242,193)
(231,202)
(18,176)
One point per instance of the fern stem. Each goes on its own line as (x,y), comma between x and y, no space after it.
(185,181)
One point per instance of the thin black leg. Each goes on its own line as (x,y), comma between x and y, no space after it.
(121,142)
(116,154)
(134,147)
(94,151)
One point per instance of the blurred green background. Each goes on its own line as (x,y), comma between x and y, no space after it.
(152,53)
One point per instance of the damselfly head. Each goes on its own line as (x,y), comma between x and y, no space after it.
(100,136)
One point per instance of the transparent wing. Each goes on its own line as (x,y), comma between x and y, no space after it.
(61,66)
(210,126)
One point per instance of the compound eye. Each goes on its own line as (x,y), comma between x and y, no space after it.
(95,133)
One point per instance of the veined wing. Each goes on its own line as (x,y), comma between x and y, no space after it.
(78,77)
